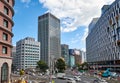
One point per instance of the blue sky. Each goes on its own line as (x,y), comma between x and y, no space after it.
(75,16)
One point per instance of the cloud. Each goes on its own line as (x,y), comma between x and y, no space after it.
(26,2)
(84,35)
(74,13)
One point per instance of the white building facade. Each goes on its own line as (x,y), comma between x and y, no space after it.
(27,53)
(83,55)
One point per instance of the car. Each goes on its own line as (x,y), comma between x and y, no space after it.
(77,78)
(113,74)
(53,76)
(40,74)
(32,74)
(79,73)
(99,80)
(65,78)
(60,75)
(70,80)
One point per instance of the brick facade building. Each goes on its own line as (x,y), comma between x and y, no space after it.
(6,23)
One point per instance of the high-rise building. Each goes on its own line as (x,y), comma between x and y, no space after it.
(14,57)
(92,24)
(71,58)
(103,42)
(83,56)
(6,24)
(27,53)
(49,37)
(78,57)
(65,53)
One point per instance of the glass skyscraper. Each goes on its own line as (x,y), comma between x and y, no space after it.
(49,37)
(65,53)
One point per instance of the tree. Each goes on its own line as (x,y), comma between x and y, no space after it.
(42,66)
(60,65)
(85,66)
(22,72)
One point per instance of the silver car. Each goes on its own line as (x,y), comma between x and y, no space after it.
(71,80)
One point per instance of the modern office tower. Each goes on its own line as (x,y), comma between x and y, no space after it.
(65,53)
(71,58)
(27,53)
(6,24)
(49,37)
(103,42)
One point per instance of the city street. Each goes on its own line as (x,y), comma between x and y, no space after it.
(84,79)
(37,79)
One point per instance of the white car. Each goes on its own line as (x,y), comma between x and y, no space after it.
(77,78)
(99,80)
(53,76)
(71,80)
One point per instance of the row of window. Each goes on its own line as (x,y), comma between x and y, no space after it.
(5,24)
(31,45)
(100,39)
(4,49)
(6,11)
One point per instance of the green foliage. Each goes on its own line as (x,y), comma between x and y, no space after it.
(22,72)
(60,65)
(78,65)
(83,66)
(42,66)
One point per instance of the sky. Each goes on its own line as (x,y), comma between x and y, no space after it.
(75,16)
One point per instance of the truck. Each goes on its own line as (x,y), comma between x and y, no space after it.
(106,73)
(60,75)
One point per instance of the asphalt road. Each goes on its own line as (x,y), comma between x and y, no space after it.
(84,79)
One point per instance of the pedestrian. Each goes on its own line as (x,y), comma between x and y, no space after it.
(53,81)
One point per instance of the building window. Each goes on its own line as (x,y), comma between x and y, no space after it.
(5,36)
(4,50)
(5,23)
(6,11)
(7,0)
(4,73)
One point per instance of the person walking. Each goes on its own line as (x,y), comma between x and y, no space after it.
(53,81)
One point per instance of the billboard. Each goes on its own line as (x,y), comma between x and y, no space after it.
(71,51)
(74,52)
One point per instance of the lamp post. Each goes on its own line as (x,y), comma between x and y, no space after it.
(28,77)
(51,69)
